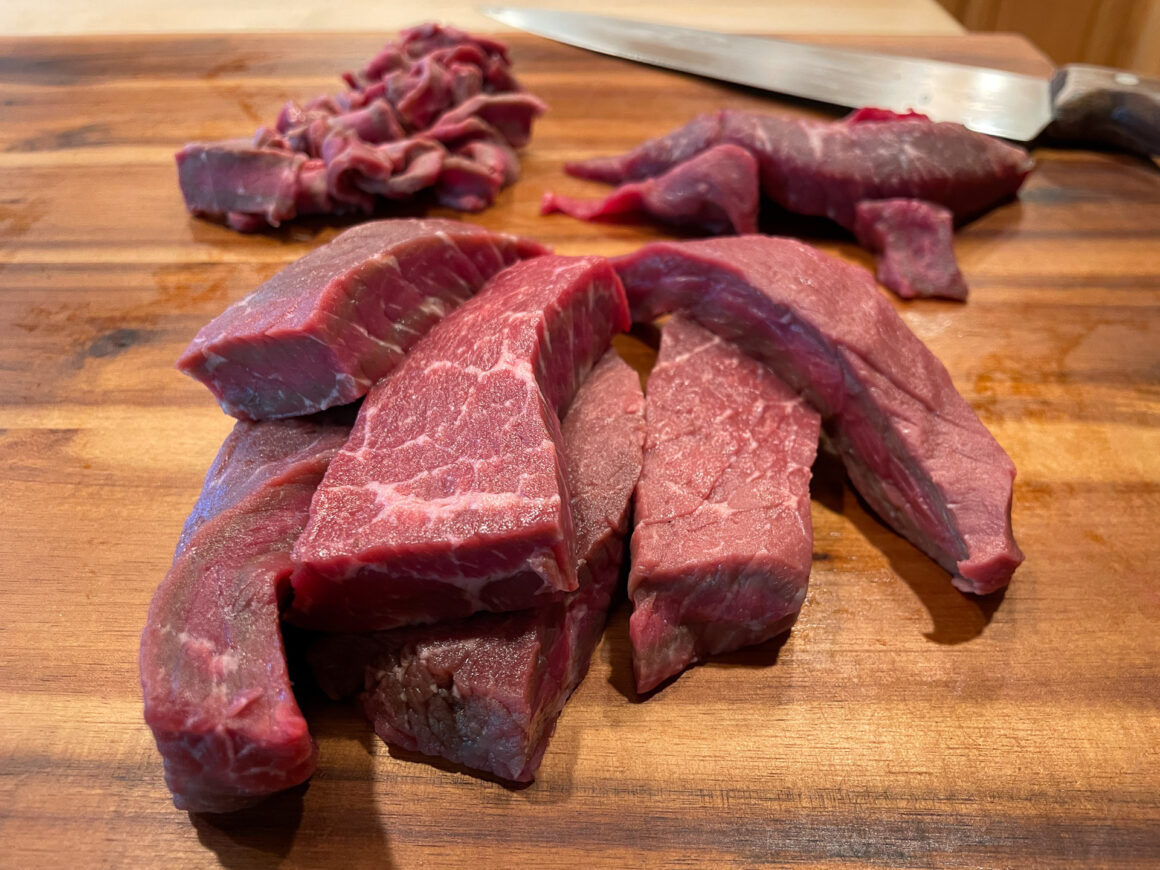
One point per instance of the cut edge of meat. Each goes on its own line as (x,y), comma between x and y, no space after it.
(324,329)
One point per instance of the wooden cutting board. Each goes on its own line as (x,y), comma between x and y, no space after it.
(900,724)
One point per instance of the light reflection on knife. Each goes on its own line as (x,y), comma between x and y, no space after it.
(1079,103)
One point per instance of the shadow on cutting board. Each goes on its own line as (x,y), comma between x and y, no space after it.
(617,651)
(957,618)
(335,812)
(259,836)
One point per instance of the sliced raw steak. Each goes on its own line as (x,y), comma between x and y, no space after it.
(911,444)
(913,241)
(722,540)
(325,328)
(450,496)
(827,167)
(486,692)
(212,665)
(716,191)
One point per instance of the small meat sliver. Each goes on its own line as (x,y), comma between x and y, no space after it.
(716,191)
(213,670)
(911,444)
(322,331)
(450,496)
(486,692)
(723,542)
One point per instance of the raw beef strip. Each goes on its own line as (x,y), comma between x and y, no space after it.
(913,241)
(238,176)
(486,692)
(827,168)
(384,138)
(722,540)
(325,328)
(911,444)
(213,670)
(716,191)
(450,496)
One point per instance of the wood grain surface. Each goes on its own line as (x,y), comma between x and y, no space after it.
(899,724)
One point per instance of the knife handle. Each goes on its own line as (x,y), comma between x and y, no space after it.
(1111,106)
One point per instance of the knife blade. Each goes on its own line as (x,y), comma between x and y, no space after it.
(1080,102)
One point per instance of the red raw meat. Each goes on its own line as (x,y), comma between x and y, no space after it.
(827,167)
(716,191)
(831,169)
(913,241)
(911,444)
(450,496)
(325,328)
(213,670)
(486,692)
(341,154)
(722,541)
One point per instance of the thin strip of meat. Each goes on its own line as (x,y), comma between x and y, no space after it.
(723,542)
(450,496)
(911,444)
(213,670)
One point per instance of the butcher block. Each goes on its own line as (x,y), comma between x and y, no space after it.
(899,724)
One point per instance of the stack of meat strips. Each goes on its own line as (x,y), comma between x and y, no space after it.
(900,183)
(433,469)
(439,109)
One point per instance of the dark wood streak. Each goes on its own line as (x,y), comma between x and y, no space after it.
(899,724)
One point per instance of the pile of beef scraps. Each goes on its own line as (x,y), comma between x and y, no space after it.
(438,109)
(899,182)
(460,545)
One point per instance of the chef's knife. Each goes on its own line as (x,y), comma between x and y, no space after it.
(1079,103)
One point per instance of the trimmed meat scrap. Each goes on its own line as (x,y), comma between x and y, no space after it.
(716,191)
(385,138)
(913,241)
(828,169)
